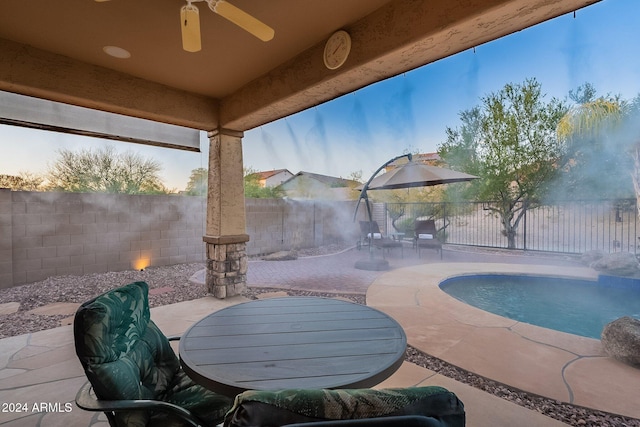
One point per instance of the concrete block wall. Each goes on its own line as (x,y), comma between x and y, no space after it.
(52,234)
(337,223)
(278,224)
(264,225)
(6,243)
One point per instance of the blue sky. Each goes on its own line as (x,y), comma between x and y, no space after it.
(362,130)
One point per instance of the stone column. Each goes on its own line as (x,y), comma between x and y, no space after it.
(226,220)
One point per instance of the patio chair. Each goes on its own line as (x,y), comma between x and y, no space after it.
(370,235)
(426,236)
(340,407)
(134,373)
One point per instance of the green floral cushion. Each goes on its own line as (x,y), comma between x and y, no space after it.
(265,408)
(126,356)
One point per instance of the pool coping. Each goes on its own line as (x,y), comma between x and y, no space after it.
(557,365)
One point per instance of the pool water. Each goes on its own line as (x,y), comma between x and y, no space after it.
(579,307)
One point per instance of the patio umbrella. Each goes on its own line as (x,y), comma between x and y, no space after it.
(413,174)
(410,174)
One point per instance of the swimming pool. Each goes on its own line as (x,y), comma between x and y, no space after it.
(576,306)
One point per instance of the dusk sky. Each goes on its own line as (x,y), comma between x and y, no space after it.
(364,129)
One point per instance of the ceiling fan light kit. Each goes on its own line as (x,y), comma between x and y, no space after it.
(190,22)
(190,18)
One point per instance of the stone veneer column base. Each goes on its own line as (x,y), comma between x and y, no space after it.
(226,269)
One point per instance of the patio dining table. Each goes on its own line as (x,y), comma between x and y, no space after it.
(292,342)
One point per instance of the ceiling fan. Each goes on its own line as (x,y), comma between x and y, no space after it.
(190,22)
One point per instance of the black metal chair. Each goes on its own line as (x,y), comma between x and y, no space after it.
(426,236)
(370,235)
(134,375)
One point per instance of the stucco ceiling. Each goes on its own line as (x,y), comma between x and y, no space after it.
(150,31)
(54,50)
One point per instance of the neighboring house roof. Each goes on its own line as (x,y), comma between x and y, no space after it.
(307,185)
(329,181)
(432,159)
(426,157)
(269,174)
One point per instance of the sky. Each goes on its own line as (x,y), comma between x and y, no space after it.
(363,130)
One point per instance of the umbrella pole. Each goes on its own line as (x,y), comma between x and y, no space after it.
(368,205)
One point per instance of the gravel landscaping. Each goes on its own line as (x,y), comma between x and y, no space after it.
(171,284)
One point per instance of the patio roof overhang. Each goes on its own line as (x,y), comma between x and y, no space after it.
(54,51)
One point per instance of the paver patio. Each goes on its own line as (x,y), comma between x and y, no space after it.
(42,367)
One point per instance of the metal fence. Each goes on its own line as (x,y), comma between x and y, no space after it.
(565,227)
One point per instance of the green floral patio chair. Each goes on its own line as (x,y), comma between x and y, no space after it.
(135,375)
(439,406)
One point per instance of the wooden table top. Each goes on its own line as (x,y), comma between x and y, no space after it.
(292,342)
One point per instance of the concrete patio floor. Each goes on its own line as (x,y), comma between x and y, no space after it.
(42,367)
(553,364)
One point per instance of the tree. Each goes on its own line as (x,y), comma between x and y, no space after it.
(253,189)
(25,181)
(609,127)
(597,163)
(103,170)
(631,135)
(510,142)
(356,176)
(197,185)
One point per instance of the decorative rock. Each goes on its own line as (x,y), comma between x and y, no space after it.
(9,307)
(281,256)
(618,264)
(590,257)
(621,340)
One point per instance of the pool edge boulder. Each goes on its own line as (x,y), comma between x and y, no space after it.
(621,340)
(617,264)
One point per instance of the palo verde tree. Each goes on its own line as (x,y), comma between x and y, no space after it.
(510,142)
(598,160)
(103,170)
(630,133)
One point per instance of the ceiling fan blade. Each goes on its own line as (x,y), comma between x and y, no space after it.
(190,24)
(242,19)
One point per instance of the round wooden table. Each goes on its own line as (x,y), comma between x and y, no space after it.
(292,342)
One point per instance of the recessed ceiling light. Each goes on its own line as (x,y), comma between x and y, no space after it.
(117,52)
